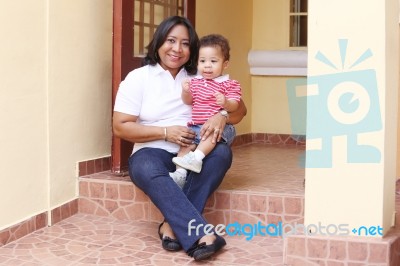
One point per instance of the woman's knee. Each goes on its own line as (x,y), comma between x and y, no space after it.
(222,152)
(220,158)
(147,163)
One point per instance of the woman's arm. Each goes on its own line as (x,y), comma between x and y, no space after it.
(126,127)
(237,116)
(216,123)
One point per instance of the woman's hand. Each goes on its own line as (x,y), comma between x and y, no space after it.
(214,126)
(180,135)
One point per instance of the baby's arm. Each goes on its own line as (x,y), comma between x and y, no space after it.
(229,105)
(231,97)
(186,95)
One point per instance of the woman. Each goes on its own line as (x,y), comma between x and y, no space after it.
(149,112)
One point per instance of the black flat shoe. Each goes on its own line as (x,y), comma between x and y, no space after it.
(202,251)
(167,242)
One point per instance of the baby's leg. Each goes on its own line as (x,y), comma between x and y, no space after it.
(179,176)
(205,146)
(193,161)
(185,150)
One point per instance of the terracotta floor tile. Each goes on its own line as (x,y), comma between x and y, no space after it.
(274,169)
(92,240)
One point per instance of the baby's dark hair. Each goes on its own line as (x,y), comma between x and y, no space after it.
(216,40)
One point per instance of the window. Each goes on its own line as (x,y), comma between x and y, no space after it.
(298,23)
(148,14)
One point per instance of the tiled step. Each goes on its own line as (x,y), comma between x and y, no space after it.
(117,224)
(264,184)
(342,250)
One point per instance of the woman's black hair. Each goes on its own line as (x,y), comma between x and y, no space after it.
(160,37)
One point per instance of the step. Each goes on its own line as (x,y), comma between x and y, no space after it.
(117,224)
(343,250)
(255,189)
(264,184)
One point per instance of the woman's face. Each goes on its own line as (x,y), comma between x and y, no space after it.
(175,52)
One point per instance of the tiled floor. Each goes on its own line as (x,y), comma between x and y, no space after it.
(85,239)
(92,240)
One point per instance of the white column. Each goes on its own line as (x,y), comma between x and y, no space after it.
(353,69)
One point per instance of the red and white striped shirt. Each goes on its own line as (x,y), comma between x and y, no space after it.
(204,103)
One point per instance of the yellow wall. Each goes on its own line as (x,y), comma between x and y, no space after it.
(398,130)
(23,105)
(265,96)
(270,109)
(231,18)
(55,95)
(56,79)
(79,80)
(270,25)
(55,100)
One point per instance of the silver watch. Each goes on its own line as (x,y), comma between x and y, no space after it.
(224,113)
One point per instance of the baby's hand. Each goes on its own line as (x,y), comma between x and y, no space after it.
(186,85)
(220,98)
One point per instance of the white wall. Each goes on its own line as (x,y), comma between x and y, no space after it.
(358,194)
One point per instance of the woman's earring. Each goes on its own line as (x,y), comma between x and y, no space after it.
(155,56)
(190,64)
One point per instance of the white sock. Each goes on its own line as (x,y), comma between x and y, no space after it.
(199,155)
(182,172)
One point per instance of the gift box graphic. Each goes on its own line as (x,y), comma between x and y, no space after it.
(338,104)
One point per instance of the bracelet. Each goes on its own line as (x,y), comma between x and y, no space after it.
(165,134)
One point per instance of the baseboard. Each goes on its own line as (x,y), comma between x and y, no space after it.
(38,222)
(268,138)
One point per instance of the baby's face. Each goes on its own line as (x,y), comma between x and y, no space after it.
(211,62)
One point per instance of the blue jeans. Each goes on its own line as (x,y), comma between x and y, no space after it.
(228,135)
(149,170)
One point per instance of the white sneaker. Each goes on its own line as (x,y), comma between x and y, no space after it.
(188,162)
(179,179)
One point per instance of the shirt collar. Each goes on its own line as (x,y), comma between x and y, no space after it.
(158,69)
(218,79)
